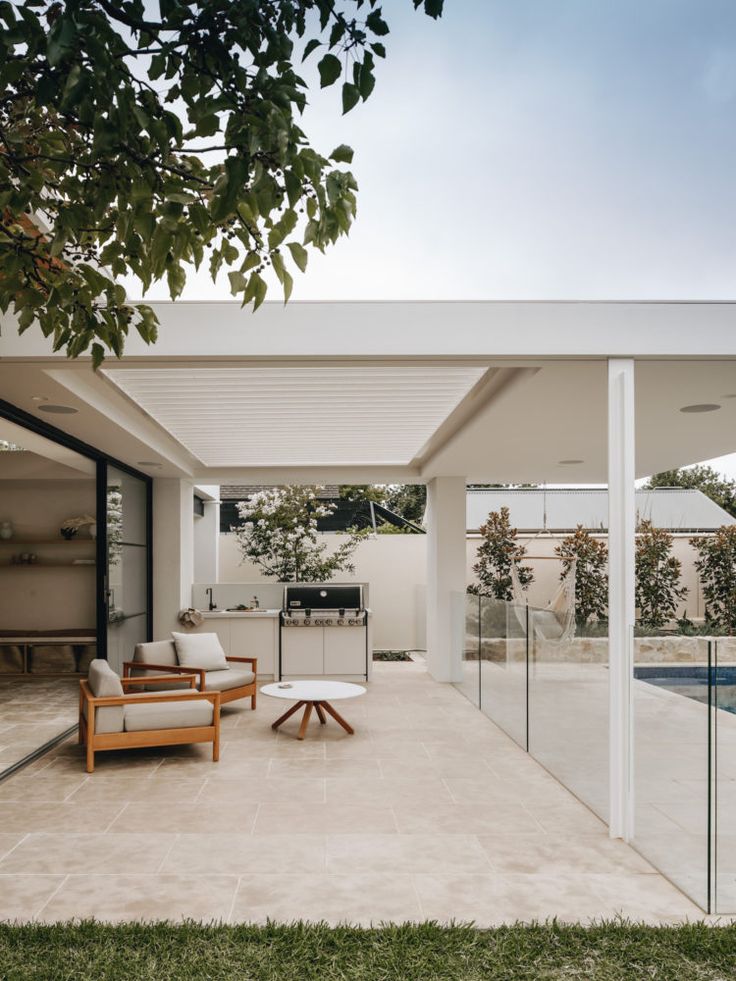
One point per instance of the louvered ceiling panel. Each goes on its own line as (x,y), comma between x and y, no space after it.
(299,416)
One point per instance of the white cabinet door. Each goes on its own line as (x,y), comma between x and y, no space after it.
(344,651)
(301,652)
(256,637)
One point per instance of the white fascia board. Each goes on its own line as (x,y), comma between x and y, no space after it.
(363,329)
(311,475)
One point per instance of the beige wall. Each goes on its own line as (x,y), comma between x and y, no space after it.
(395,567)
(41,598)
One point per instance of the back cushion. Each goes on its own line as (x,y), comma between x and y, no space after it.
(200,651)
(104,683)
(157,652)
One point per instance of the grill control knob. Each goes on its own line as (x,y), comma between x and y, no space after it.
(341,622)
(307,621)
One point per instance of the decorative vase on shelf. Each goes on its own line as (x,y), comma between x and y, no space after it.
(6,530)
(68,533)
(93,530)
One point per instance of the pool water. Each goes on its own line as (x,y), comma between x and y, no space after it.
(691,680)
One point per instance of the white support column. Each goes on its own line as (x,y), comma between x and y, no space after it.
(621,551)
(446,527)
(173,552)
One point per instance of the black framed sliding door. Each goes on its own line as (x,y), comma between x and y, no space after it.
(127,559)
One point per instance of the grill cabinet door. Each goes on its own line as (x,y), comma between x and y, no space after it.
(301,651)
(345,650)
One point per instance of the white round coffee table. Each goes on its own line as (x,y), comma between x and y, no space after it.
(313,694)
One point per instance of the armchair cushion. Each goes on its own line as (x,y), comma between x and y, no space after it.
(104,683)
(176,715)
(200,651)
(157,652)
(224,680)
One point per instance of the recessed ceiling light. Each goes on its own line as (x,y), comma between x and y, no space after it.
(148,463)
(39,398)
(60,410)
(569,463)
(701,407)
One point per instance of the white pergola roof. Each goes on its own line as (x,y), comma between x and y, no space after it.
(299,416)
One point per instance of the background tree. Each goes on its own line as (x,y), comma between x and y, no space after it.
(658,589)
(279,534)
(716,566)
(137,143)
(591,575)
(714,485)
(498,551)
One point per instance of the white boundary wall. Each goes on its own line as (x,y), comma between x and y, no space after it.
(396,568)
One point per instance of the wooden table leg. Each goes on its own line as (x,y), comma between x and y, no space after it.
(320,713)
(305,720)
(337,717)
(286,715)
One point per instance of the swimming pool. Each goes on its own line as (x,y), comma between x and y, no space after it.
(691,680)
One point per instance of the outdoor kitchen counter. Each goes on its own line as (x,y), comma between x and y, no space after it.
(246,633)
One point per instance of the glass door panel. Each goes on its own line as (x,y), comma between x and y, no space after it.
(127,594)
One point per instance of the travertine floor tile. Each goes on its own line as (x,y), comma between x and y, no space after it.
(358,898)
(143,897)
(23,896)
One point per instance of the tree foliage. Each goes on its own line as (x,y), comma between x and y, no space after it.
(714,485)
(591,574)
(134,143)
(279,534)
(407,500)
(658,571)
(496,554)
(716,566)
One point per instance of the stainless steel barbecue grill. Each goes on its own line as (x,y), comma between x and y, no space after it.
(333,638)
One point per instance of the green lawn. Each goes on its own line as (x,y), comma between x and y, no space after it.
(160,952)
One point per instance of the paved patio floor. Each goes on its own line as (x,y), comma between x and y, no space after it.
(428,812)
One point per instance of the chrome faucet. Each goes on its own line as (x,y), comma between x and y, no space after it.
(212,606)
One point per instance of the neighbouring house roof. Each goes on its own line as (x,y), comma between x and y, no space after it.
(563,509)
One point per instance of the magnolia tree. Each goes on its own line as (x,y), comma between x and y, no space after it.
(716,565)
(496,555)
(279,534)
(658,589)
(591,576)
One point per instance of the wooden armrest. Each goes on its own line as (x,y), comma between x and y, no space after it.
(245,660)
(166,680)
(149,697)
(166,668)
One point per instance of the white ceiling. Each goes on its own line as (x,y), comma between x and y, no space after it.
(250,416)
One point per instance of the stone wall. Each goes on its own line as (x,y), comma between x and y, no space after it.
(594,650)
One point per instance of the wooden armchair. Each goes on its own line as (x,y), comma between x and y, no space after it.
(161,656)
(113,717)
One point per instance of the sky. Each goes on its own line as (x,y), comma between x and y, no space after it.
(537,149)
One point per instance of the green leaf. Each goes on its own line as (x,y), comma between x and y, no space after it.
(350,96)
(433,8)
(299,254)
(310,47)
(375,23)
(176,278)
(378,49)
(238,282)
(61,40)
(330,70)
(342,154)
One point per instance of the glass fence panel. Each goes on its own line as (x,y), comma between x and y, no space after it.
(503,666)
(672,760)
(723,791)
(470,684)
(568,707)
